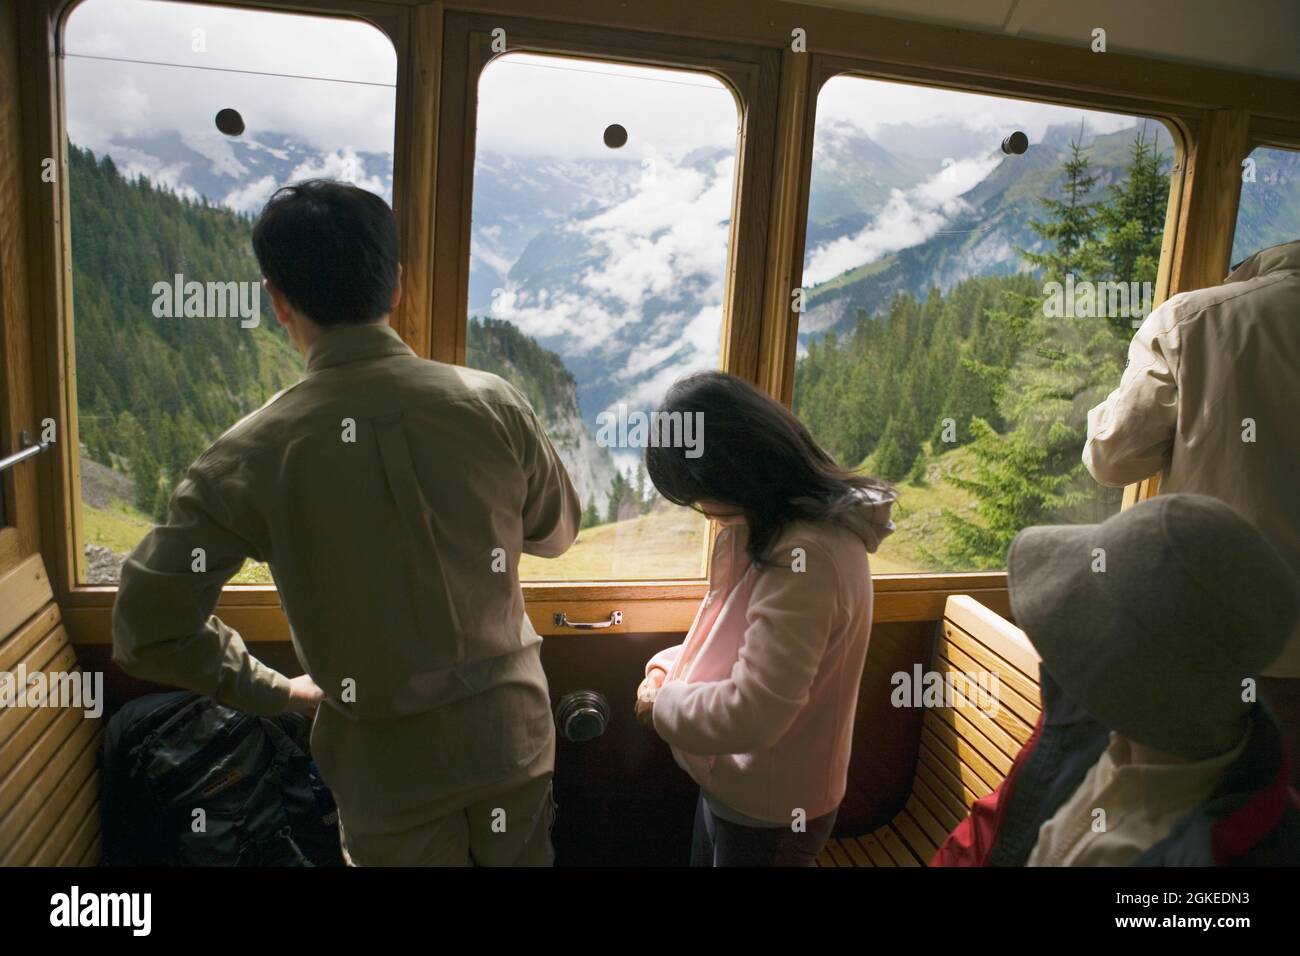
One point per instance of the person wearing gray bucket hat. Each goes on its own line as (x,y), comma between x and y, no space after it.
(1152,619)
(1152,628)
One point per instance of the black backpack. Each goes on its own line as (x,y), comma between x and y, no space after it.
(167,756)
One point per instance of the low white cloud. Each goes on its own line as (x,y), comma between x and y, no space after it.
(909,217)
(672,229)
(216,149)
(667,240)
(481,252)
(343,164)
(253,196)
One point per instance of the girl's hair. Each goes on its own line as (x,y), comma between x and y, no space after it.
(755,455)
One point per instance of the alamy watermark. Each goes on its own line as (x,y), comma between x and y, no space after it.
(83,690)
(74,908)
(637,429)
(208,300)
(922,688)
(1084,299)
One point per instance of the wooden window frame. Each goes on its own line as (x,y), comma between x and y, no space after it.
(1218,113)
(1266,135)
(752,75)
(821,70)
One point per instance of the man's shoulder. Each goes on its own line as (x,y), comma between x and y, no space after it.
(1238,298)
(431,386)
(244,438)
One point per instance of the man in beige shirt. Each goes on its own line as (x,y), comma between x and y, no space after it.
(391,497)
(1209,401)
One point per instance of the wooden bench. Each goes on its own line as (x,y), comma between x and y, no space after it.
(49,784)
(964,754)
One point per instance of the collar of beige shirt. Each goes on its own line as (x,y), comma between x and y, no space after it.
(355,343)
(1142,802)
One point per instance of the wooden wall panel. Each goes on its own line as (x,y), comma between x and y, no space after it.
(18,402)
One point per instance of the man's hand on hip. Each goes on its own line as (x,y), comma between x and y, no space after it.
(304,695)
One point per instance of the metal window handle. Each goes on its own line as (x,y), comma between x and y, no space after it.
(562,620)
(28,449)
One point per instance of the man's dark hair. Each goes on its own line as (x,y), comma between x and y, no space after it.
(331,248)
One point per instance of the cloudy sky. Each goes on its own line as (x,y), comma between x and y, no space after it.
(666,229)
(910,216)
(336,91)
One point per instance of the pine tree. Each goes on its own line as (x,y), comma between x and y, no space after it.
(1016,484)
(621,504)
(1033,472)
(1071,224)
(1133,222)
(590,517)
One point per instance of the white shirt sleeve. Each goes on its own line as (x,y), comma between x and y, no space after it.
(1131,433)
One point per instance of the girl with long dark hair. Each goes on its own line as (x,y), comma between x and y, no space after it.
(758,702)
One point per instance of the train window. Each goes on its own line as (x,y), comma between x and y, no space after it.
(181,121)
(601,220)
(974,269)
(1269,211)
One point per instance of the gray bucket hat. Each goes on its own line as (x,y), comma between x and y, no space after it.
(1192,601)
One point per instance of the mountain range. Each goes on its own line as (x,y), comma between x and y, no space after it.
(608,273)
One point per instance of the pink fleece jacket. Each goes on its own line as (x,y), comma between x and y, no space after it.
(759,700)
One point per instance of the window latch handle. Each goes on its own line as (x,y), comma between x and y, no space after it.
(27,449)
(561,619)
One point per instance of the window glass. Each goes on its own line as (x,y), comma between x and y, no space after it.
(965,303)
(1269,211)
(601,221)
(181,121)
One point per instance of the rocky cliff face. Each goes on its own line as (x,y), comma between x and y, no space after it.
(497,346)
(590,466)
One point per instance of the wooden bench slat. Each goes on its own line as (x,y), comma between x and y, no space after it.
(856,853)
(39,810)
(943,787)
(964,753)
(49,784)
(875,851)
(59,842)
(838,854)
(824,858)
(927,821)
(923,848)
(32,782)
(985,726)
(54,731)
(947,721)
(948,776)
(967,761)
(994,632)
(86,838)
(19,726)
(1025,703)
(24,591)
(20,643)
(1016,715)
(896,847)
(95,855)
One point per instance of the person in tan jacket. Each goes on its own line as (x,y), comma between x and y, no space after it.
(1209,402)
(391,497)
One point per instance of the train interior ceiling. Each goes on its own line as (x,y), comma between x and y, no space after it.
(833,201)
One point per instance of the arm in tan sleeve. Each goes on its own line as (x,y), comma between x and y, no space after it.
(1131,433)
(552,511)
(163,626)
